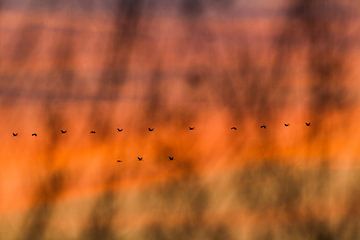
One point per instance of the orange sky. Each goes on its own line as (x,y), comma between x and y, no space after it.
(165,42)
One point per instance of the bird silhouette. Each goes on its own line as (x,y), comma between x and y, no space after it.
(171,158)
(307,124)
(191,128)
(92,132)
(15,134)
(263,126)
(286,124)
(63,131)
(120,129)
(233,128)
(34,134)
(119,161)
(151,129)
(140,158)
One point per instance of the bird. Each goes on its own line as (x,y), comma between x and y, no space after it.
(171,158)
(263,126)
(120,129)
(307,124)
(119,161)
(140,158)
(233,128)
(34,134)
(191,128)
(63,131)
(286,124)
(14,134)
(92,132)
(151,129)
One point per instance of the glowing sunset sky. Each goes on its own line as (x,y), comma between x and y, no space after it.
(103,65)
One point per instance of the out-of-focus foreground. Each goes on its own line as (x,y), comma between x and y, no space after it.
(133,64)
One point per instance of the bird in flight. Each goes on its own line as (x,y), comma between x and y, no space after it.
(286,124)
(119,161)
(233,128)
(34,134)
(151,129)
(307,124)
(263,126)
(140,158)
(92,132)
(171,158)
(14,134)
(63,131)
(191,128)
(120,129)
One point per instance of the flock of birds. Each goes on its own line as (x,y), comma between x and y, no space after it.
(63,131)
(171,158)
